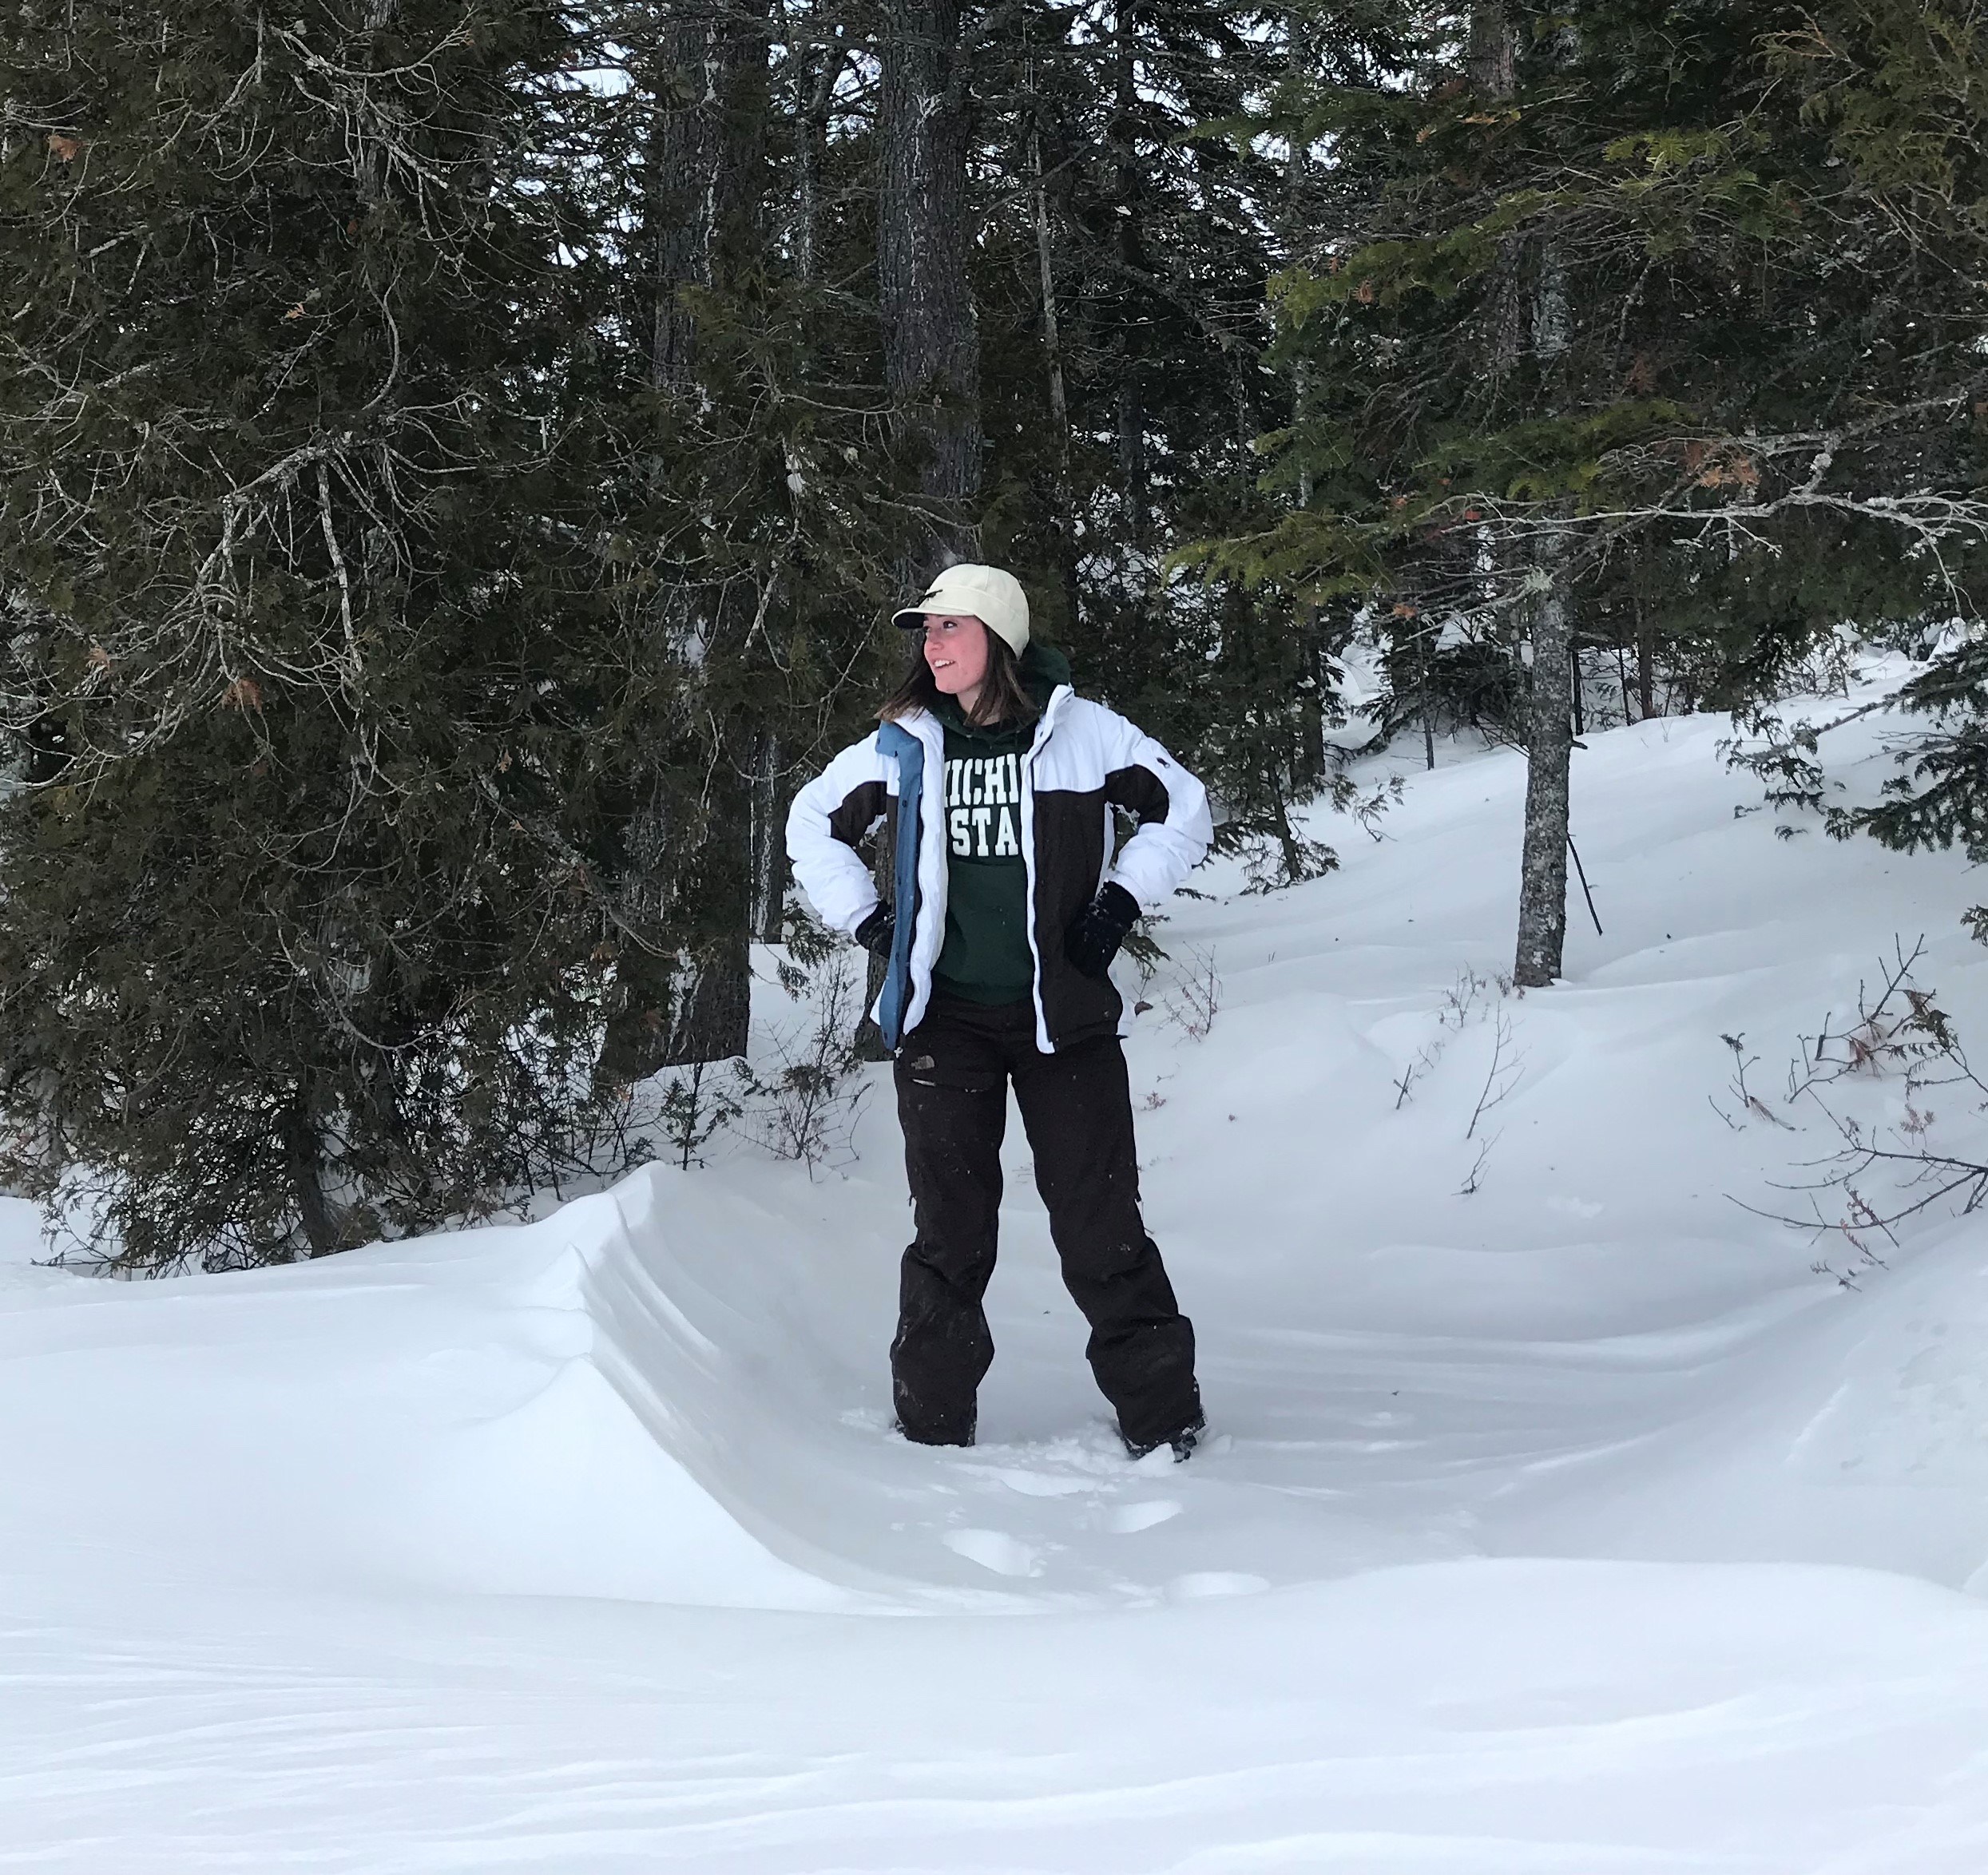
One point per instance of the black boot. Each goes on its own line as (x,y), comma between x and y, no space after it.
(1183,1442)
(950,1436)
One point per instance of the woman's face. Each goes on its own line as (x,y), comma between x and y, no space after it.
(956,650)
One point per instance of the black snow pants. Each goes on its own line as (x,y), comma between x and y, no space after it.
(952,1073)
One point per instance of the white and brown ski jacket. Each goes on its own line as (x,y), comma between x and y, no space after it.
(1084,761)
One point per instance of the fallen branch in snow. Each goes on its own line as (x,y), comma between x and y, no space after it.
(1585,892)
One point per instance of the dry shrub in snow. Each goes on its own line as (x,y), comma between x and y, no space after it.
(805,1107)
(1195,999)
(1898,1053)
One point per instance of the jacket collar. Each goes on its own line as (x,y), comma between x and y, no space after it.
(1059,698)
(926,727)
(931,731)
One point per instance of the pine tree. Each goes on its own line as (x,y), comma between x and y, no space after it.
(764,501)
(1747,404)
(932,346)
(1898,92)
(312,635)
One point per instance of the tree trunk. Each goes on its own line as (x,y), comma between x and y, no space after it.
(1308,763)
(1542,887)
(931,344)
(770,870)
(931,337)
(1489,58)
(712,1011)
(1428,698)
(303,1157)
(636,1040)
(1052,345)
(814,104)
(1490,64)
(1061,518)
(690,188)
(1308,759)
(1645,649)
(1133,469)
(703,215)
(1542,891)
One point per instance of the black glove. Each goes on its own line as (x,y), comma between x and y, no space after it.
(877,931)
(1101,928)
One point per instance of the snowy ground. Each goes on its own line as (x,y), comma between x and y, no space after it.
(1571,1527)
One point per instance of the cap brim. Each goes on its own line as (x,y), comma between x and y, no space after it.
(910,617)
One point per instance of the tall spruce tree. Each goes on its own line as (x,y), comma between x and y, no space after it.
(925,110)
(698,109)
(769,492)
(1749,416)
(311,633)
(1901,94)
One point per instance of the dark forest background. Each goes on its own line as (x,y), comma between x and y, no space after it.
(459,460)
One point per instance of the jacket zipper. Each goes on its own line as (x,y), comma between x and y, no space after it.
(1028,864)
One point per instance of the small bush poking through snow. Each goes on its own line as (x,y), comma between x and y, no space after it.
(1194,1002)
(807,1106)
(1884,1171)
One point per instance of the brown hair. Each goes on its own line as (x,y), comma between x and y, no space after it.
(1003,698)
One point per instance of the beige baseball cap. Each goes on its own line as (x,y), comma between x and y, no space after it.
(985,593)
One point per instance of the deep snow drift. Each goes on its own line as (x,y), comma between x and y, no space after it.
(1572,1525)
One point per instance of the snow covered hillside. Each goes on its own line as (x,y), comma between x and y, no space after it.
(1566,1525)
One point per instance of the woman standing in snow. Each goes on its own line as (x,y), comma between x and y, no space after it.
(996,783)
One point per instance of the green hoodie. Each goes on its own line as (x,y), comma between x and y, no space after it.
(986,957)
